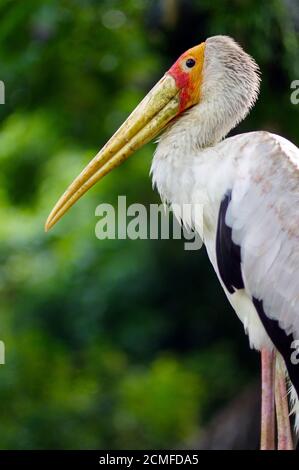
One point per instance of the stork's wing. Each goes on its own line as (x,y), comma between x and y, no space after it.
(263,215)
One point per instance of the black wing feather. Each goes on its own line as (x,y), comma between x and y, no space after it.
(281,341)
(227,252)
(229,265)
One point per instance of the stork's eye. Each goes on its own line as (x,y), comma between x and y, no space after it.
(190,63)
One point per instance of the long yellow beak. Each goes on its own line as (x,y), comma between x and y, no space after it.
(154,112)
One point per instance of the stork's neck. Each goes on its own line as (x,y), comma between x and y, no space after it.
(191,142)
(200,127)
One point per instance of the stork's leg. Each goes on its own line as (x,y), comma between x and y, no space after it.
(267,411)
(284,435)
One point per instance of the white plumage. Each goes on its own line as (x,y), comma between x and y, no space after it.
(262,171)
(264,212)
(193,166)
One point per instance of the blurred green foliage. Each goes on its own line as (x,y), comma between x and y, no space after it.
(117,343)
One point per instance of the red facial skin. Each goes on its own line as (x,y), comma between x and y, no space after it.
(184,83)
(189,80)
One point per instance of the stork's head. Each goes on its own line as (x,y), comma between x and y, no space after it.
(216,82)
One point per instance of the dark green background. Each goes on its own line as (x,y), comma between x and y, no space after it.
(115,343)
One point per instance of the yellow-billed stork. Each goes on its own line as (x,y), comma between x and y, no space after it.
(249,187)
